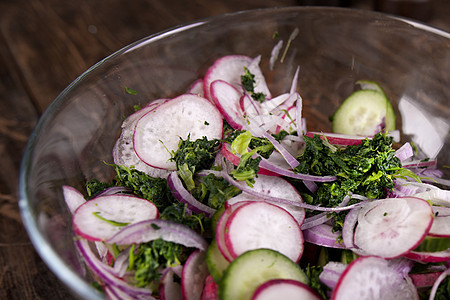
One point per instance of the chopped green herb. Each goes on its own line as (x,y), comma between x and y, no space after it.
(130,91)
(112,222)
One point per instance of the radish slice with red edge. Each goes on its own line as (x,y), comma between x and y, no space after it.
(155,138)
(441,222)
(227,100)
(73,198)
(194,274)
(256,225)
(220,229)
(179,192)
(392,227)
(372,278)
(150,230)
(429,257)
(286,289)
(196,88)
(123,150)
(227,68)
(277,187)
(102,217)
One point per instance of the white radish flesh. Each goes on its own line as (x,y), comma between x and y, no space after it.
(102,217)
(123,151)
(226,98)
(257,225)
(158,132)
(276,187)
(194,274)
(230,69)
(372,278)
(392,227)
(286,289)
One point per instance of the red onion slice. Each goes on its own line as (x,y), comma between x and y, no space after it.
(150,230)
(108,279)
(178,190)
(322,235)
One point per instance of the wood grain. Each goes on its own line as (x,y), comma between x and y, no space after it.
(45,45)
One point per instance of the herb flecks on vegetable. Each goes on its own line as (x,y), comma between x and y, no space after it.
(248,82)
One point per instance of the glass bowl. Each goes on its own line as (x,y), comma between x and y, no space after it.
(334,48)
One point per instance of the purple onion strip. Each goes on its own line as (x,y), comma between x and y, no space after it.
(178,190)
(149,230)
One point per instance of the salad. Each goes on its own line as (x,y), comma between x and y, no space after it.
(224,193)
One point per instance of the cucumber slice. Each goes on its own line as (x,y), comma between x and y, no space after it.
(254,267)
(216,262)
(433,244)
(365,112)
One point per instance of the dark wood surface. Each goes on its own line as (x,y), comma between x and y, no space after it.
(46,44)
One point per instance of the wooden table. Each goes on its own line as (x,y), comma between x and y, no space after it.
(46,44)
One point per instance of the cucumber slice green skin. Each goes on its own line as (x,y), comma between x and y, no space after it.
(363,112)
(254,267)
(216,262)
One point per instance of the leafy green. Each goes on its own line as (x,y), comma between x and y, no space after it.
(214,191)
(149,259)
(367,169)
(313,273)
(155,190)
(248,166)
(130,91)
(93,187)
(248,82)
(443,291)
(193,156)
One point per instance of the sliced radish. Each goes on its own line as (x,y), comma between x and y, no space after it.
(196,88)
(226,98)
(102,217)
(256,225)
(286,289)
(429,257)
(276,187)
(372,278)
(194,274)
(73,198)
(123,151)
(155,138)
(392,227)
(441,222)
(230,68)
(338,138)
(220,229)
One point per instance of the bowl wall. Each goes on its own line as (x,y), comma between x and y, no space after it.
(333,47)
